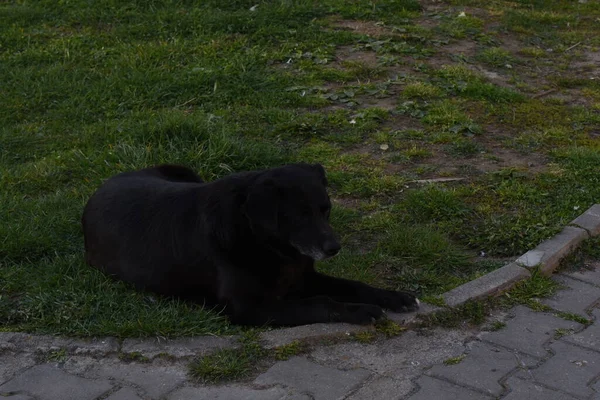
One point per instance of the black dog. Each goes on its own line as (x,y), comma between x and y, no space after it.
(247,242)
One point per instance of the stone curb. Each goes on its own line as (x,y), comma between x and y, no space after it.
(487,285)
(546,256)
(589,220)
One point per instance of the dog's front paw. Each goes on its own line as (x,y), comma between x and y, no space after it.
(362,314)
(399,301)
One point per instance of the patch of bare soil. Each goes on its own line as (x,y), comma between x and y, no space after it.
(466,48)
(589,67)
(494,159)
(349,53)
(369,28)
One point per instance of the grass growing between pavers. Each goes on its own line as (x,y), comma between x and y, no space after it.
(506,99)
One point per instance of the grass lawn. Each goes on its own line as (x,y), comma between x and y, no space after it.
(456,134)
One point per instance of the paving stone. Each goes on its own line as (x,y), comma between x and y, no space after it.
(596,388)
(18,397)
(575,298)
(185,347)
(591,275)
(231,392)
(307,377)
(280,337)
(125,393)
(487,285)
(47,382)
(383,387)
(432,388)
(402,357)
(154,380)
(12,364)
(590,220)
(94,346)
(569,370)
(549,253)
(483,366)
(523,389)
(528,331)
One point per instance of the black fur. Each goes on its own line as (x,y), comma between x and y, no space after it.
(247,242)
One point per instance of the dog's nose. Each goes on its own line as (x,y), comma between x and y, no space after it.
(331,248)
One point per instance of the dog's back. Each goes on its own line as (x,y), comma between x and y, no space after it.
(137,220)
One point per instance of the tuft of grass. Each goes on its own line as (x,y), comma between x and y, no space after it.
(460,26)
(289,350)
(574,317)
(496,57)
(529,291)
(364,337)
(497,325)
(389,328)
(58,356)
(421,90)
(229,363)
(560,332)
(454,360)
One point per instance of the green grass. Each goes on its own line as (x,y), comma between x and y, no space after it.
(454,360)
(229,363)
(92,89)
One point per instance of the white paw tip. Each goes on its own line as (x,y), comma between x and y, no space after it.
(418,302)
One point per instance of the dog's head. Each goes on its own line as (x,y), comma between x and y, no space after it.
(291,204)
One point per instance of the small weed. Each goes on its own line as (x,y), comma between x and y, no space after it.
(574,317)
(289,350)
(231,363)
(364,337)
(530,290)
(389,328)
(534,52)
(434,300)
(464,148)
(496,326)
(421,90)
(560,332)
(496,57)
(454,360)
(58,356)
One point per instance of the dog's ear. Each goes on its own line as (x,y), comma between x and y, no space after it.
(321,171)
(261,205)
